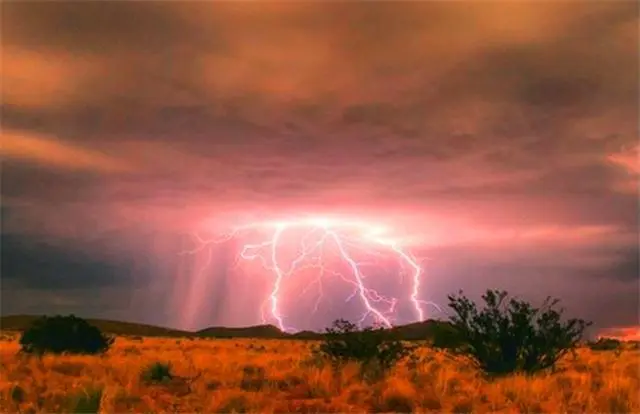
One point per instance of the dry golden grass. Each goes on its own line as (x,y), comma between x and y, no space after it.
(278,376)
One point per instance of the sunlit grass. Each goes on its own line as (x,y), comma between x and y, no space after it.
(277,376)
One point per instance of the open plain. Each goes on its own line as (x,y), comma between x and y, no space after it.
(244,375)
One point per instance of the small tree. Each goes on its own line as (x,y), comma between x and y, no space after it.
(514,336)
(373,347)
(60,334)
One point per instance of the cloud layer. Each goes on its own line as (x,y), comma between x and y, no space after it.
(504,150)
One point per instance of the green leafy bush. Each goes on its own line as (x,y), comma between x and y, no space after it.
(373,347)
(64,334)
(513,336)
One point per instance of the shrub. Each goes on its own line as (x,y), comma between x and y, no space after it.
(63,334)
(157,372)
(18,394)
(514,336)
(605,344)
(373,347)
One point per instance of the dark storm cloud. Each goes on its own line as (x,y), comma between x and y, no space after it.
(527,95)
(533,276)
(90,27)
(624,265)
(46,186)
(129,123)
(45,267)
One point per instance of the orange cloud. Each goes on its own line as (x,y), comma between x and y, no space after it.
(38,79)
(52,152)
(289,62)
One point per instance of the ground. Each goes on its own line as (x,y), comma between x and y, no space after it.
(242,375)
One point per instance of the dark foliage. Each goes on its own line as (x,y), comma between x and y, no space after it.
(371,346)
(605,344)
(18,394)
(513,336)
(157,372)
(63,334)
(447,337)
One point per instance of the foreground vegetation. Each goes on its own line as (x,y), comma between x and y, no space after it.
(507,356)
(224,375)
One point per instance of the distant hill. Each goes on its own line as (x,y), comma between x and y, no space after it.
(260,331)
(420,330)
(309,335)
(21,322)
(413,331)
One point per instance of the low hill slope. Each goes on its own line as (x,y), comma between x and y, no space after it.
(414,331)
(22,322)
(421,330)
(259,331)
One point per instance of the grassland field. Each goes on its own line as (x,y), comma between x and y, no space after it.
(269,376)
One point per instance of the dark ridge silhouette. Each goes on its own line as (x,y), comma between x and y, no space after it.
(414,331)
(22,322)
(420,330)
(259,331)
(307,335)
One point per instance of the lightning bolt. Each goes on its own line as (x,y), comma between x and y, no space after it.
(348,238)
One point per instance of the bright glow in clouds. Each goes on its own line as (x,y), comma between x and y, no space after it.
(313,252)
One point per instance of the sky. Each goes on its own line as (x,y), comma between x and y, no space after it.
(498,141)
